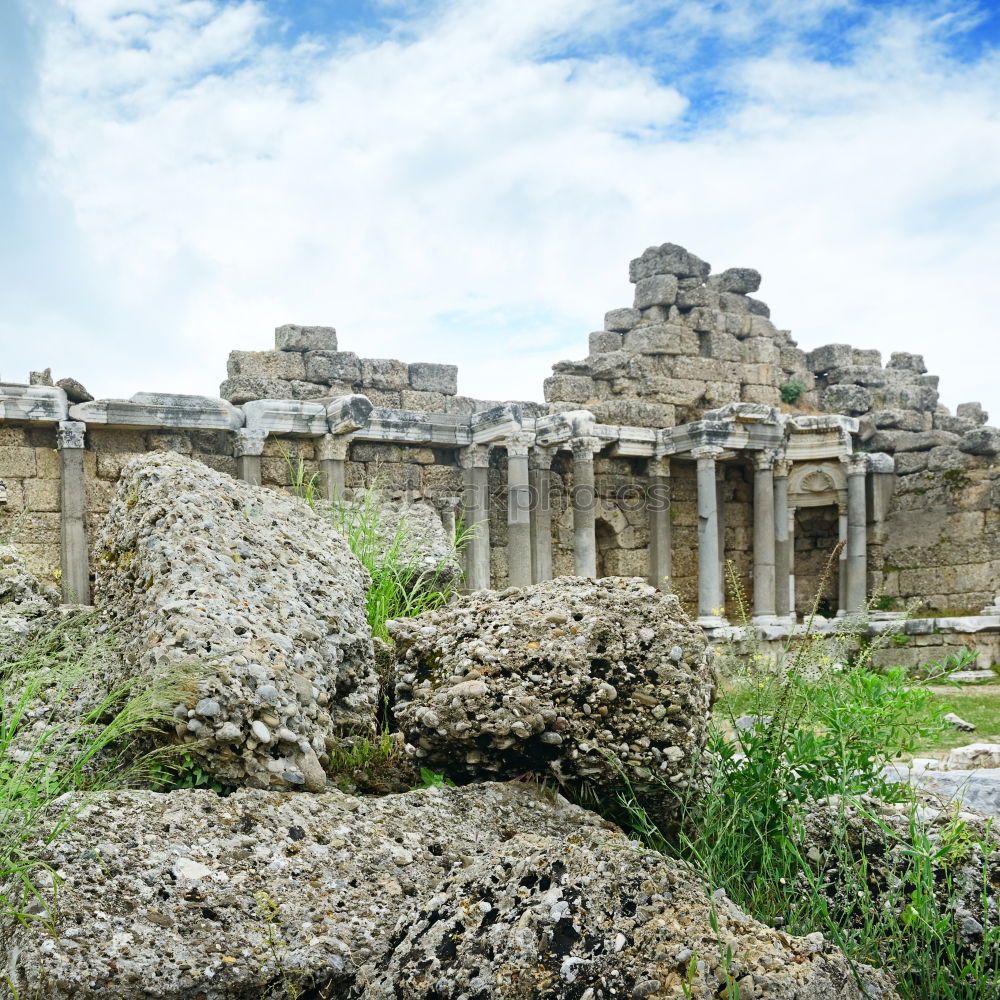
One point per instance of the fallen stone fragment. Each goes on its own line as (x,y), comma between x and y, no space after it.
(959,723)
(974,755)
(600,683)
(25,602)
(596,916)
(188,895)
(75,391)
(262,597)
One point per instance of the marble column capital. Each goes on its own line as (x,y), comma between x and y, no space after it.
(333,447)
(706,452)
(540,459)
(658,467)
(519,444)
(475,456)
(448,503)
(857,465)
(782,467)
(584,448)
(249,442)
(70,434)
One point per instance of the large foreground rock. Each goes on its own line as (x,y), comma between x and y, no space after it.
(189,896)
(594,917)
(262,596)
(601,683)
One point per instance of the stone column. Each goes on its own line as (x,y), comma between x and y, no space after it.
(763,539)
(658,509)
(475,461)
(720,518)
(842,560)
(540,481)
(791,562)
(518,509)
(248,448)
(75,565)
(332,451)
(857,531)
(709,579)
(782,541)
(584,504)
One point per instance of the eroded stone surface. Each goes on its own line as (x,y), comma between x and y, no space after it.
(24,600)
(594,681)
(187,895)
(263,595)
(596,917)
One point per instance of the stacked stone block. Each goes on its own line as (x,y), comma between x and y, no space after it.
(306,364)
(691,341)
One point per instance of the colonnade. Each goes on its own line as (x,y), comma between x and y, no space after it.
(529,524)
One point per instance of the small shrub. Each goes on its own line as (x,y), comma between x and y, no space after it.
(791,391)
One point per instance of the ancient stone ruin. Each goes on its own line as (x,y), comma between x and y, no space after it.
(694,434)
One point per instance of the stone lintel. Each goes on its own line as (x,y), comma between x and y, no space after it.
(156,410)
(37,403)
(558,428)
(496,424)
(440,430)
(286,416)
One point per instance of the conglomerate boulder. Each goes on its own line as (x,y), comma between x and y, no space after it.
(189,896)
(25,602)
(603,683)
(265,601)
(595,917)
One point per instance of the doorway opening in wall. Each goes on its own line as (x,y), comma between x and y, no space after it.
(817,531)
(606,542)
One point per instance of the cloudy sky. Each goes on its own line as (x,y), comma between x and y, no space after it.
(466,180)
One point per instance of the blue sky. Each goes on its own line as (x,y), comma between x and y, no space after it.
(466,181)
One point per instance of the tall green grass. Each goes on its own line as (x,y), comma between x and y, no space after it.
(402,584)
(886,892)
(59,733)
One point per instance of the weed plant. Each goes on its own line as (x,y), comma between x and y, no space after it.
(389,547)
(826,725)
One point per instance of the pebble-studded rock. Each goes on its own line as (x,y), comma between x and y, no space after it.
(595,917)
(603,683)
(23,599)
(262,597)
(189,896)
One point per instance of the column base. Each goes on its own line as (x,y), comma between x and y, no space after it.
(766,620)
(711,621)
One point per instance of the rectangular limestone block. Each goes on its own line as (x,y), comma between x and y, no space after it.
(656,290)
(700,296)
(391,398)
(635,413)
(621,320)
(661,338)
(766,394)
(828,357)
(13,436)
(679,391)
(428,402)
(17,462)
(568,388)
(614,364)
(761,350)
(605,341)
(733,302)
(461,405)
(428,377)
(41,494)
(266,364)
(761,374)
(720,393)
(443,480)
(305,338)
(242,388)
(721,346)
(332,367)
(706,320)
(384,373)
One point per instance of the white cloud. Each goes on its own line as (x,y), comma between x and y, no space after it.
(219,185)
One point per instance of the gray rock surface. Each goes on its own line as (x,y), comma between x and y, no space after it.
(737,279)
(263,595)
(594,682)
(188,895)
(981,441)
(594,917)
(975,788)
